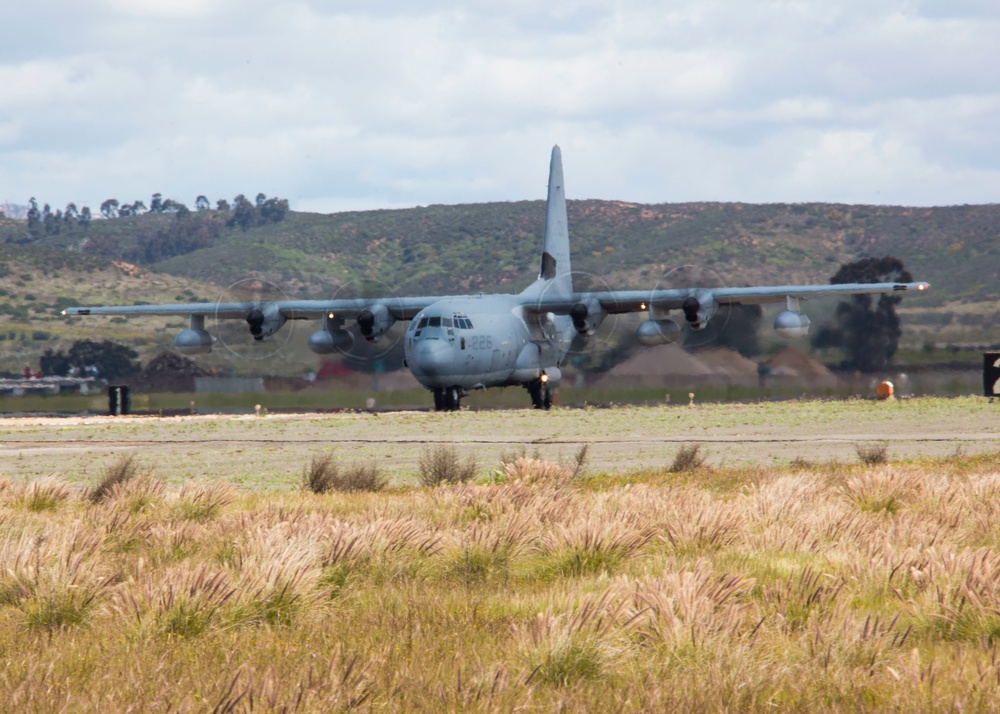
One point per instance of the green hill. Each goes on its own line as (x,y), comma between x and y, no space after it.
(484,247)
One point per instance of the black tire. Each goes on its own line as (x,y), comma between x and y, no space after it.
(536,390)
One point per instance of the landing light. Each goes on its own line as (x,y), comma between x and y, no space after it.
(642,306)
(544,377)
(331,316)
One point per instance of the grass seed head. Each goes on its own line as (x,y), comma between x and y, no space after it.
(39,496)
(531,471)
(202,501)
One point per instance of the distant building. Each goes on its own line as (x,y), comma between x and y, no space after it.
(47,385)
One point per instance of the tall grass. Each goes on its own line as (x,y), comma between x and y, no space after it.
(847,588)
(38,496)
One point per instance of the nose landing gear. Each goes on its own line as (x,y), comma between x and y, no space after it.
(448,399)
(541,393)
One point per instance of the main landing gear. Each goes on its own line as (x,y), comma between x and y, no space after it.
(448,399)
(541,393)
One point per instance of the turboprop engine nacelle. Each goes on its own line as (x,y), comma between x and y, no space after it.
(657,332)
(332,337)
(587,316)
(374,322)
(790,324)
(264,321)
(698,309)
(194,340)
(323,343)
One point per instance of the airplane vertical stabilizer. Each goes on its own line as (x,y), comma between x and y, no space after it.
(555,269)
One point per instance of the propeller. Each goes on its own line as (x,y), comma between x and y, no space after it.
(242,338)
(588,346)
(693,276)
(364,354)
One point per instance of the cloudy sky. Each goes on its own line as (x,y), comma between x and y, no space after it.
(357,104)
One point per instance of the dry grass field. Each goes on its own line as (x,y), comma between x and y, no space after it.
(714,558)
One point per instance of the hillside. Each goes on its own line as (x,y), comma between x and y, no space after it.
(487,247)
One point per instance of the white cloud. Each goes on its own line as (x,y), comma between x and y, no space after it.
(361,104)
(158,9)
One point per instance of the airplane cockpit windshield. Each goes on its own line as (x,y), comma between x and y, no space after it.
(428,323)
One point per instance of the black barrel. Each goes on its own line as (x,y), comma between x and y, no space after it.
(119,400)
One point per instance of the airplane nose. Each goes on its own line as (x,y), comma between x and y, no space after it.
(432,356)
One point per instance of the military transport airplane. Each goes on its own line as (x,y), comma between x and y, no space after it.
(456,343)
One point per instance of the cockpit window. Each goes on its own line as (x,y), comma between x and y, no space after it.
(456,322)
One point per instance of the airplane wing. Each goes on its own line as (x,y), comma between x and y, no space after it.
(691,300)
(621,301)
(264,318)
(699,304)
(350,308)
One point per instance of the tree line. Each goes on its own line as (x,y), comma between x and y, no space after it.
(45,222)
(242,213)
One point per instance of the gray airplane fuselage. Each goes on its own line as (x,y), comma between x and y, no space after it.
(482,341)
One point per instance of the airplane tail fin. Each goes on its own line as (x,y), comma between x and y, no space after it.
(555,269)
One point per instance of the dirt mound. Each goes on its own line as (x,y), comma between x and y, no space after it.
(729,364)
(671,366)
(792,365)
(169,372)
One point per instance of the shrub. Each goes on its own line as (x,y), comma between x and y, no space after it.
(442,464)
(873,453)
(324,474)
(688,458)
(320,474)
(120,471)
